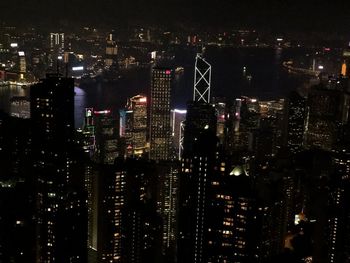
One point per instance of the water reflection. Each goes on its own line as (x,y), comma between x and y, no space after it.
(7,92)
(80,104)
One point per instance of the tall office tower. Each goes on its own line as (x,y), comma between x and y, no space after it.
(296,114)
(328,109)
(133,126)
(57,47)
(202,80)
(168,174)
(111,53)
(197,174)
(106,137)
(177,126)
(88,132)
(200,116)
(61,215)
(242,120)
(22,65)
(269,135)
(220,111)
(197,167)
(125,131)
(57,41)
(160,131)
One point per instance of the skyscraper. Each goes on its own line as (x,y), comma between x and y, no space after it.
(202,80)
(328,108)
(296,113)
(106,136)
(111,52)
(133,126)
(61,215)
(160,130)
(177,125)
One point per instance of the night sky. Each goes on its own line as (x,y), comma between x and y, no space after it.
(274,14)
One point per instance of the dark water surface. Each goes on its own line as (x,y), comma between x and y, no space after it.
(263,78)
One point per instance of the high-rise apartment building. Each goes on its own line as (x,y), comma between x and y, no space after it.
(61,205)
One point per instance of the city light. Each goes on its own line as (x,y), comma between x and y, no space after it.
(163,139)
(102,112)
(180,111)
(78,68)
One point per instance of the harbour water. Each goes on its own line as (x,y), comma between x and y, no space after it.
(255,72)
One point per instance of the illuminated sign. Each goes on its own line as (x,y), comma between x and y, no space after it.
(102,112)
(21,53)
(79,68)
(13,45)
(144,99)
(180,111)
(154,54)
(168,72)
(88,112)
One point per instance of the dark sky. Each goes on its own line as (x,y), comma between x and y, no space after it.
(276,14)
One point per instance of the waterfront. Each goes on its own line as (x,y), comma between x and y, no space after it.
(252,72)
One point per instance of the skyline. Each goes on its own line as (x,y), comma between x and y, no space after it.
(174,132)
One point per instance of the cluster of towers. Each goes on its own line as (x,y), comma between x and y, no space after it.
(236,180)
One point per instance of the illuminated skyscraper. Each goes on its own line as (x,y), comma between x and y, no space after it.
(57,46)
(111,52)
(177,125)
(296,113)
(160,130)
(89,143)
(106,137)
(202,80)
(133,126)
